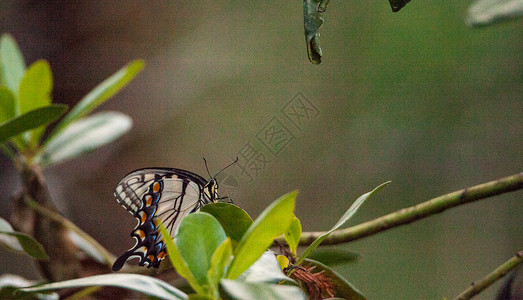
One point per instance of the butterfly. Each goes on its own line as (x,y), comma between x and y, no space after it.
(165,194)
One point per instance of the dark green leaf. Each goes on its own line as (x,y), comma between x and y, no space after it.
(35,92)
(7,104)
(396,5)
(12,65)
(265,270)
(84,136)
(232,289)
(272,222)
(31,120)
(346,216)
(140,283)
(199,235)
(313,20)
(343,288)
(21,242)
(234,220)
(333,257)
(487,12)
(101,93)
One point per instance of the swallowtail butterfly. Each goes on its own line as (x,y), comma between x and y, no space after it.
(165,194)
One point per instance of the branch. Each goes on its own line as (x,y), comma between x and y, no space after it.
(486,281)
(417,212)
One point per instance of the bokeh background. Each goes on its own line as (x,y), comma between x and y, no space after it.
(415,97)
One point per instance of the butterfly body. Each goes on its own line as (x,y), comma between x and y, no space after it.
(165,194)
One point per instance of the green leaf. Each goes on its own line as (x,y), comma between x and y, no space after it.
(30,120)
(396,5)
(7,104)
(199,235)
(9,285)
(35,92)
(140,283)
(101,93)
(265,270)
(178,262)
(234,220)
(313,20)
(219,262)
(232,289)
(293,234)
(343,288)
(20,242)
(84,136)
(346,216)
(12,65)
(333,257)
(487,12)
(272,222)
(36,86)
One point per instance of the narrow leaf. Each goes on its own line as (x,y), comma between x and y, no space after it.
(265,270)
(20,242)
(343,288)
(234,220)
(396,5)
(313,20)
(7,104)
(10,284)
(199,235)
(101,93)
(84,136)
(232,289)
(486,12)
(12,65)
(293,234)
(140,283)
(178,262)
(219,262)
(35,92)
(348,214)
(272,222)
(30,120)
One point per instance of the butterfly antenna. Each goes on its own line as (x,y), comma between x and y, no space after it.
(235,161)
(207,168)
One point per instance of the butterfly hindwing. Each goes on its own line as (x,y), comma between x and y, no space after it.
(157,194)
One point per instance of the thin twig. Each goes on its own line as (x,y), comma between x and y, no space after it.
(478,286)
(417,212)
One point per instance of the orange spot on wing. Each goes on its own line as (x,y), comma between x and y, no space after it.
(140,233)
(148,200)
(144,217)
(150,257)
(162,255)
(156,187)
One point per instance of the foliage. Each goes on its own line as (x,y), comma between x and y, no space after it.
(26,111)
(220,251)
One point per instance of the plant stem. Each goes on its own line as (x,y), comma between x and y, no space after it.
(499,272)
(417,212)
(107,256)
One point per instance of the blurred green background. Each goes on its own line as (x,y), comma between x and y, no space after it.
(415,97)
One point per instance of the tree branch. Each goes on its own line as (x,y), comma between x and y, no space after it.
(417,212)
(478,286)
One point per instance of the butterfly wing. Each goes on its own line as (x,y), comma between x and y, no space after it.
(157,194)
